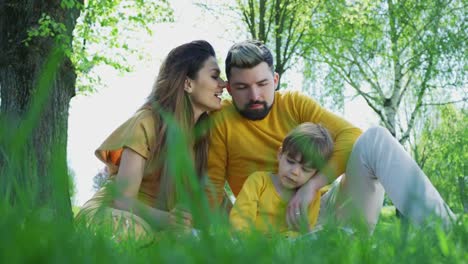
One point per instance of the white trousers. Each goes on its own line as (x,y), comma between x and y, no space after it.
(379,164)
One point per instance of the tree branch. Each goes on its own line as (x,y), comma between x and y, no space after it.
(405,88)
(419,99)
(376,85)
(449,102)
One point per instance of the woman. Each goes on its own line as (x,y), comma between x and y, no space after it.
(137,153)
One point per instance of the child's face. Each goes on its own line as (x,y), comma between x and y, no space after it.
(292,174)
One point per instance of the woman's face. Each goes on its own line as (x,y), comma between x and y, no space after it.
(206,89)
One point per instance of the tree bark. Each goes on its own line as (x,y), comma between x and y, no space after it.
(35,165)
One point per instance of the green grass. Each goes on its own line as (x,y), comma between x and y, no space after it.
(33,237)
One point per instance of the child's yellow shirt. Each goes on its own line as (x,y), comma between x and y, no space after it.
(259,206)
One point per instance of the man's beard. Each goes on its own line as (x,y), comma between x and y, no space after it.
(254,114)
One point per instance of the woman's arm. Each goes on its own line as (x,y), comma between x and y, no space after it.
(128,181)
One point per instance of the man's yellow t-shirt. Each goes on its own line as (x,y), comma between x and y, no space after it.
(239,147)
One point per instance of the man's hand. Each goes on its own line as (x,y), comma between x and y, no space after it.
(297,212)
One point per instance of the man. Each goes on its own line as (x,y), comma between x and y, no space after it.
(248,132)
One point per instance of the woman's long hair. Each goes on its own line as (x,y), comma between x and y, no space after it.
(168,98)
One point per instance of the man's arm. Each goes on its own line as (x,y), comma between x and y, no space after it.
(302,199)
(344,133)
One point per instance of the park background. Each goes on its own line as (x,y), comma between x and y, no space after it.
(93,116)
(71,71)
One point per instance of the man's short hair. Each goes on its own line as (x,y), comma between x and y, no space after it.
(312,142)
(248,54)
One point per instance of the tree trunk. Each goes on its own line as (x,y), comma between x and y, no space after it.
(34,112)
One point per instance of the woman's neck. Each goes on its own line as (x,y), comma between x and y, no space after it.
(196,114)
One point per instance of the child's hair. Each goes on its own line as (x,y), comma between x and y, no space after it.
(312,142)
(246,55)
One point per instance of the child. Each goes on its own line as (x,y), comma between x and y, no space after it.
(264,196)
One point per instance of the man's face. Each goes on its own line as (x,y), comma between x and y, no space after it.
(253,90)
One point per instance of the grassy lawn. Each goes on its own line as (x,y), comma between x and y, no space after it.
(38,239)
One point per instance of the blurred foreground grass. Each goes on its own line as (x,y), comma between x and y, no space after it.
(36,238)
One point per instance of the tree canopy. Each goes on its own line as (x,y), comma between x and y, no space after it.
(397,55)
(442,152)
